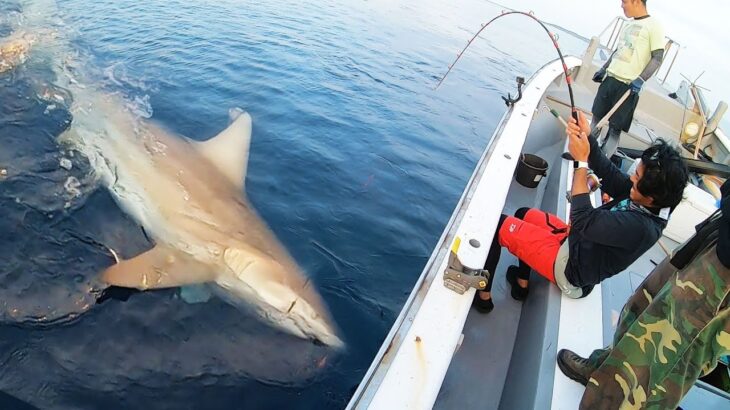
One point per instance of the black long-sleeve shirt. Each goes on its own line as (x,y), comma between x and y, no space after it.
(605,242)
(723,242)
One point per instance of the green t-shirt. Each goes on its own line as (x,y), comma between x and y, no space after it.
(638,39)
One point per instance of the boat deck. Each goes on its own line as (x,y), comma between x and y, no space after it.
(484,359)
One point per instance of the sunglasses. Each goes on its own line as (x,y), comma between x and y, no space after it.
(652,159)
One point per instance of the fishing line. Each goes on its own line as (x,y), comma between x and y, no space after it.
(553,37)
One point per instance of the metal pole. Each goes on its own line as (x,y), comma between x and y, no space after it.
(671,65)
(615,108)
(610,38)
(620,25)
(567,104)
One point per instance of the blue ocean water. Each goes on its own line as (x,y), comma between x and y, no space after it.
(356,164)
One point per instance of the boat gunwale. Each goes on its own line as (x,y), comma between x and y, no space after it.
(393,341)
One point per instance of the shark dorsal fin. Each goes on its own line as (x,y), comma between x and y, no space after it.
(228,151)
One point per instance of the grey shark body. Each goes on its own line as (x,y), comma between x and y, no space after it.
(189,198)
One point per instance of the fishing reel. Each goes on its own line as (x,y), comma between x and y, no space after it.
(594,184)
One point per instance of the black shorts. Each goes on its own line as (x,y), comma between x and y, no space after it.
(610,91)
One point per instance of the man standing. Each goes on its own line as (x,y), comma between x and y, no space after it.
(638,56)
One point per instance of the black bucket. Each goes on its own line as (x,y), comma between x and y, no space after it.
(530,170)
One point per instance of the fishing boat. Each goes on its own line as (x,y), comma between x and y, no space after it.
(441,353)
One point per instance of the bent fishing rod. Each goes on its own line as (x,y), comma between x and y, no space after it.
(553,37)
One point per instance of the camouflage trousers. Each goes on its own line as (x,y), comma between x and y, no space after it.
(672,331)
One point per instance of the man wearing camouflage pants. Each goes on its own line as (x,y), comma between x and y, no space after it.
(672,331)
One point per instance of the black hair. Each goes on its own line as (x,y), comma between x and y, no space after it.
(665,175)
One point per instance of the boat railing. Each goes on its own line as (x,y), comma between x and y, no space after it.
(616,26)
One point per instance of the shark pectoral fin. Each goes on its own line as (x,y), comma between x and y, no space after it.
(158,268)
(228,151)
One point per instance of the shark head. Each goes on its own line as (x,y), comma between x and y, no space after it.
(278,289)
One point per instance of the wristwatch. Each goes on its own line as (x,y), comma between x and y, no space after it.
(580,164)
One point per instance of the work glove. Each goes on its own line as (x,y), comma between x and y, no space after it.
(599,76)
(636,85)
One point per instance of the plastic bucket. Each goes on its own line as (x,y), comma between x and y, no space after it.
(530,170)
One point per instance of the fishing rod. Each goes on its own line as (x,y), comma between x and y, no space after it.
(553,37)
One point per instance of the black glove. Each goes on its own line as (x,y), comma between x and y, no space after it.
(599,76)
(636,85)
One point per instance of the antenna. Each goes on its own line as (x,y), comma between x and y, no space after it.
(694,83)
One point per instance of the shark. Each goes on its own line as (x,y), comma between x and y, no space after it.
(189,197)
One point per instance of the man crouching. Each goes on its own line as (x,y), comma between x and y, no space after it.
(599,242)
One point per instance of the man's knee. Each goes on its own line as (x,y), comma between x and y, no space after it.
(520,213)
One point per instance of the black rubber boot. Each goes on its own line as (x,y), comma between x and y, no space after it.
(518,292)
(481,305)
(575,367)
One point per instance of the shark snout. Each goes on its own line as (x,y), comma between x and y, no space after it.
(280,293)
(305,319)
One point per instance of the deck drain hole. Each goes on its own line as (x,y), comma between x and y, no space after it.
(474,243)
